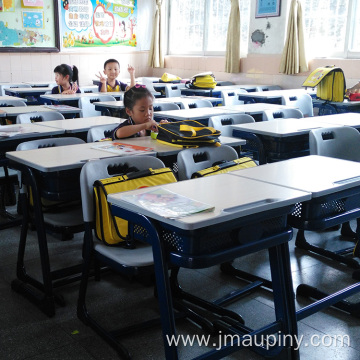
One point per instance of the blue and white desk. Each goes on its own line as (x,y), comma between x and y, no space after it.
(32,95)
(230,230)
(281,138)
(333,107)
(334,185)
(6,97)
(345,119)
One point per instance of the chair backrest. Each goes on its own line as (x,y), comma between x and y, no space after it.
(301,101)
(88,89)
(172,90)
(165,106)
(39,117)
(195,159)
(100,132)
(225,83)
(230,97)
(222,122)
(88,108)
(282,114)
(51,142)
(341,142)
(199,103)
(100,169)
(7,103)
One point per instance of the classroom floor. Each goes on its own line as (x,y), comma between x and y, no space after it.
(26,333)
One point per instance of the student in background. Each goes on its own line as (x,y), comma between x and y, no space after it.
(109,83)
(66,78)
(138,102)
(355,89)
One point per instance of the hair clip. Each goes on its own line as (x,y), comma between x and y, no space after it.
(137,86)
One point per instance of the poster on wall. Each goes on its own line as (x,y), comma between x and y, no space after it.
(98,23)
(29,25)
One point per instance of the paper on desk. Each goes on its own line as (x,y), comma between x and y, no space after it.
(9,131)
(167,203)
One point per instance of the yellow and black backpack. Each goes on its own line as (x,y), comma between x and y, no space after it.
(204,80)
(112,230)
(225,167)
(329,82)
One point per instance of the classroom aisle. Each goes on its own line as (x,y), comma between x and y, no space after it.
(28,334)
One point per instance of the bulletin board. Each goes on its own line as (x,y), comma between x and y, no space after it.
(98,23)
(29,25)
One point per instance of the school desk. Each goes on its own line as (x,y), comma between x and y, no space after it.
(4,85)
(64,98)
(189,101)
(6,97)
(210,238)
(281,138)
(40,83)
(79,127)
(273,96)
(345,119)
(256,110)
(32,95)
(12,112)
(334,185)
(200,114)
(333,107)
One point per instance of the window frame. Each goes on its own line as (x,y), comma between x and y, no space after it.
(205,37)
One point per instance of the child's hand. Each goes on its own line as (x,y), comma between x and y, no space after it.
(74,87)
(101,77)
(151,125)
(131,70)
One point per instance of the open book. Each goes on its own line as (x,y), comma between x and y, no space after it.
(167,203)
(121,149)
(9,131)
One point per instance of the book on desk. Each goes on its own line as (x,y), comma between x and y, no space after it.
(121,148)
(167,203)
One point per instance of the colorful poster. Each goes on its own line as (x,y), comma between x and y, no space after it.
(8,5)
(94,23)
(32,19)
(33,3)
(1,5)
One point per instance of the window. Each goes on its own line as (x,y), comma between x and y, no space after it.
(200,27)
(331,27)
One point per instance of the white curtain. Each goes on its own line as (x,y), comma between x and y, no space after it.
(232,57)
(156,58)
(293,60)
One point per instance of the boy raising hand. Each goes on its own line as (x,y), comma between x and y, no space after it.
(109,82)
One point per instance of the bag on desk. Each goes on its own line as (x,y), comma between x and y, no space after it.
(188,133)
(204,80)
(225,167)
(329,82)
(166,77)
(112,230)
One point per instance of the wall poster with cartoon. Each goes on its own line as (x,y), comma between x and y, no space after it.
(29,25)
(98,23)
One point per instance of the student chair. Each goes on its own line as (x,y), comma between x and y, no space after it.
(230,97)
(282,114)
(88,108)
(195,159)
(62,216)
(88,89)
(301,101)
(225,83)
(39,117)
(341,142)
(100,132)
(198,103)
(12,103)
(126,261)
(222,122)
(165,106)
(172,90)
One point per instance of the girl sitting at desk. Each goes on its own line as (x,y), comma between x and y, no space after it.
(138,102)
(66,78)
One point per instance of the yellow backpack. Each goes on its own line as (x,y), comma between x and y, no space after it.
(204,80)
(330,83)
(113,230)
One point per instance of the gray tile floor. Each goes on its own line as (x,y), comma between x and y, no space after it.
(26,333)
